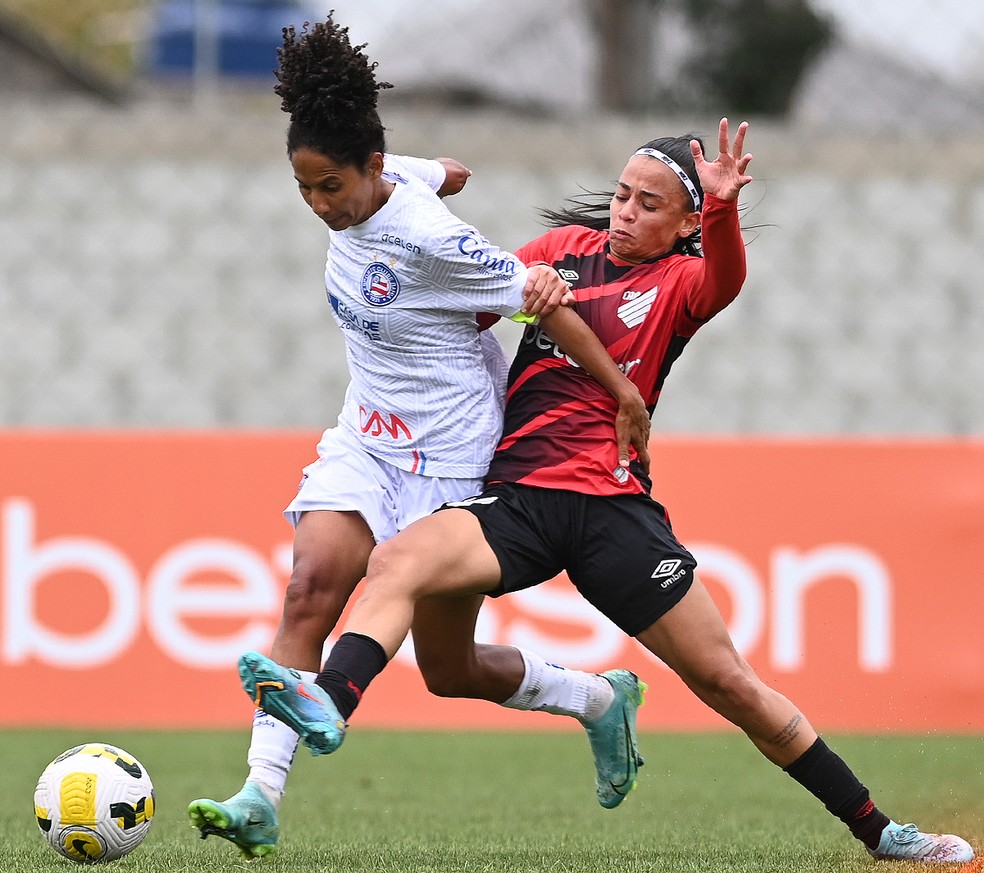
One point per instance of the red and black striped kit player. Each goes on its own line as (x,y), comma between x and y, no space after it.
(559,428)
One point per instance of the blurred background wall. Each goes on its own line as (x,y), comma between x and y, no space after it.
(158,268)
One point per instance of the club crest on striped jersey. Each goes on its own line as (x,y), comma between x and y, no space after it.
(380,285)
(636,305)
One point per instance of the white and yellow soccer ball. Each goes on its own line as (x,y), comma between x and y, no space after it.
(94,802)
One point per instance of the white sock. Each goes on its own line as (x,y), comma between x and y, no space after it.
(271,750)
(551,688)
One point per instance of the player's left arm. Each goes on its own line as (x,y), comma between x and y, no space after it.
(566,328)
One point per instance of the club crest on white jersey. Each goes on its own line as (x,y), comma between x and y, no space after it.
(380,285)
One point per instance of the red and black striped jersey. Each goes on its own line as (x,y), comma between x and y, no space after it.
(559,428)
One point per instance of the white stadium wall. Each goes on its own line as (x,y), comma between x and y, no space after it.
(159,269)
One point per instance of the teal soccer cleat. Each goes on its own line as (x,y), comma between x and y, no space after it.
(305,707)
(613,739)
(247,819)
(908,843)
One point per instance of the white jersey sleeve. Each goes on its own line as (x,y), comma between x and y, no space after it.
(428,171)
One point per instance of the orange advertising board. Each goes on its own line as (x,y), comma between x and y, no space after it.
(135,567)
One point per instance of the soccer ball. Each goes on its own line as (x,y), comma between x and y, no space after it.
(94,803)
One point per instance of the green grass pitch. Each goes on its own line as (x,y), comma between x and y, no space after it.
(411,802)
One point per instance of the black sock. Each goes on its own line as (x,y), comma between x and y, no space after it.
(821,772)
(354,661)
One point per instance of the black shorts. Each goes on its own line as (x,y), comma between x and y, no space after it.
(619,552)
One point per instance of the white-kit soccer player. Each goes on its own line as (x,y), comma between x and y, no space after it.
(422,414)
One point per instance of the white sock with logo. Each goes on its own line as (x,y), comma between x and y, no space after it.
(551,688)
(271,750)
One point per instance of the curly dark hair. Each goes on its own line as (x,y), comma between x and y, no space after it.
(592,209)
(329,88)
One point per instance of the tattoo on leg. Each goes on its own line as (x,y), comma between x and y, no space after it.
(789,732)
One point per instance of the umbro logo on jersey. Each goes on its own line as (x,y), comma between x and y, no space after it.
(569,276)
(635,309)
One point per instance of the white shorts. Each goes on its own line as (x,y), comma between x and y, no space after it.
(346,478)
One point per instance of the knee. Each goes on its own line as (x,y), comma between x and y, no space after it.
(392,570)
(390,558)
(731,687)
(313,589)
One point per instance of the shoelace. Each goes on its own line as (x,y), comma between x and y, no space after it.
(906,834)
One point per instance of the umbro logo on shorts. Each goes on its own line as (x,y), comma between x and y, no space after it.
(666,568)
(669,570)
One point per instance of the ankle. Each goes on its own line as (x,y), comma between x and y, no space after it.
(270,792)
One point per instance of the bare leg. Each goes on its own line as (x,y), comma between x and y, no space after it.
(430,573)
(442,554)
(331,551)
(451,662)
(720,677)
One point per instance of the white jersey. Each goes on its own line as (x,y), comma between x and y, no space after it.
(405,286)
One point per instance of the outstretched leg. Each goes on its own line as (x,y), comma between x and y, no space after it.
(693,641)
